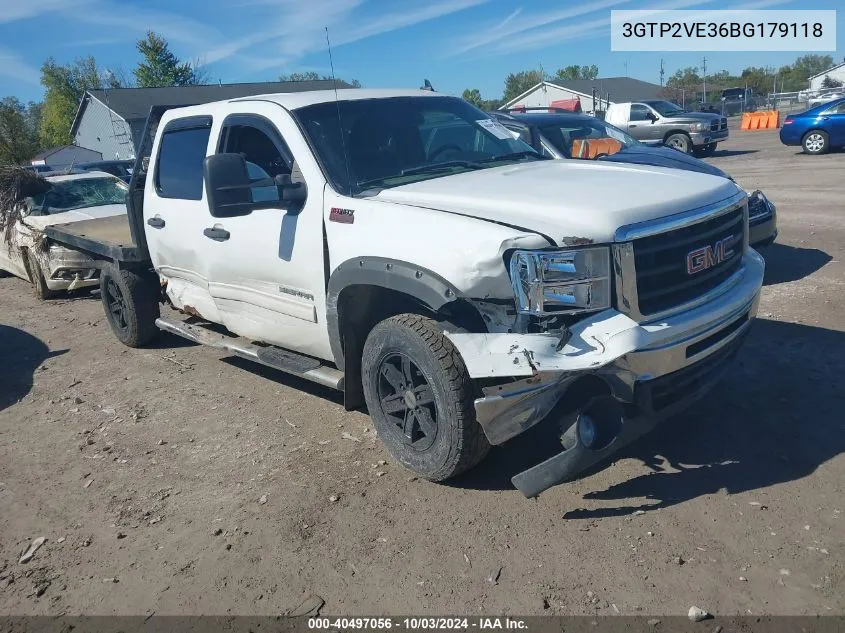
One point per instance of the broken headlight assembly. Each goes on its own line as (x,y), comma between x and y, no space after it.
(561,282)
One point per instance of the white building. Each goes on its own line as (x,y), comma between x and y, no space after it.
(612,89)
(837,73)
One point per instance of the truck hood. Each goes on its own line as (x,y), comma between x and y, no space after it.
(568,201)
(663,157)
(77,215)
(692,117)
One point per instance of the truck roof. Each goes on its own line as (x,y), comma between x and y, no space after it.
(294,100)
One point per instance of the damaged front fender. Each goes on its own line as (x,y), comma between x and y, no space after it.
(545,371)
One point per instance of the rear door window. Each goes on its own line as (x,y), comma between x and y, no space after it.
(179,170)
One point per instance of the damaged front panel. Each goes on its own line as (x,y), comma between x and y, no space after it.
(509,409)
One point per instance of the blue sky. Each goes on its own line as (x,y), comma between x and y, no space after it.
(383,43)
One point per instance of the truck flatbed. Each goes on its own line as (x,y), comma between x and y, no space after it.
(109,238)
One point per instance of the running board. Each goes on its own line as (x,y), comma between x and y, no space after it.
(275,357)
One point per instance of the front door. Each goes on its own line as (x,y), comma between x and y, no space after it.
(641,125)
(266,268)
(833,120)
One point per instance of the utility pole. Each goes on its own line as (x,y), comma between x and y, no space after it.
(661,72)
(704,78)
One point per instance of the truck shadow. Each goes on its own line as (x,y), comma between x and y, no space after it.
(725,153)
(775,417)
(786,263)
(28,353)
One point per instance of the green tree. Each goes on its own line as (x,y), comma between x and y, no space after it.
(473,96)
(64,87)
(574,72)
(517,83)
(160,67)
(830,82)
(687,80)
(310,75)
(18,138)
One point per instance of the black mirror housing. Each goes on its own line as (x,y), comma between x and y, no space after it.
(229,188)
(227,185)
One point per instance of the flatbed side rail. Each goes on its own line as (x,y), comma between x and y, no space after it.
(103,238)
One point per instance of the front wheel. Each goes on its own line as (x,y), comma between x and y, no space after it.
(815,142)
(36,276)
(130,300)
(680,142)
(420,397)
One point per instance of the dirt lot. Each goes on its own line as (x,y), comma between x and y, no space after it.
(171,480)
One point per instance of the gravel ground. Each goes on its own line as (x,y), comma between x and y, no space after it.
(172,480)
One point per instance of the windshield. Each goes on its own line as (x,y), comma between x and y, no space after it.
(666,108)
(586,137)
(396,141)
(68,195)
(733,93)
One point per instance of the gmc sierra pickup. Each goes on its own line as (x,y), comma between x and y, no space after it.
(405,248)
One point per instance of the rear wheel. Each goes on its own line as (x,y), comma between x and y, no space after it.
(130,300)
(680,142)
(815,142)
(420,397)
(36,276)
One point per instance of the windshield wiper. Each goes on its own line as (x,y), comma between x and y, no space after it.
(422,169)
(513,156)
(434,167)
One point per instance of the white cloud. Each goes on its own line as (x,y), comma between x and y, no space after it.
(512,26)
(11,65)
(13,10)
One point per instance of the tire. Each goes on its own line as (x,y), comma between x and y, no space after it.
(679,141)
(815,142)
(706,150)
(438,436)
(36,276)
(130,300)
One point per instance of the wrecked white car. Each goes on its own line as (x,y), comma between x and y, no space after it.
(403,247)
(66,198)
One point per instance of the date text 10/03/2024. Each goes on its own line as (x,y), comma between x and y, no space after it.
(417,623)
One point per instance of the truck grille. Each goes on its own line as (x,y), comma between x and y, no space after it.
(677,266)
(714,127)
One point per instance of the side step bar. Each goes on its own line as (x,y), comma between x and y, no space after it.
(275,357)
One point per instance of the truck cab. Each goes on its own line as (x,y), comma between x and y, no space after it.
(405,248)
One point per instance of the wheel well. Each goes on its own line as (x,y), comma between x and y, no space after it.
(808,132)
(668,134)
(360,307)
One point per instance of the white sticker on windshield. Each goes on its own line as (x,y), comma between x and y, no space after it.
(495,128)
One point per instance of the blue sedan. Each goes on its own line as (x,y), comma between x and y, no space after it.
(816,130)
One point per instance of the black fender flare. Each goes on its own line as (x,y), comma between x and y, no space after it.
(422,284)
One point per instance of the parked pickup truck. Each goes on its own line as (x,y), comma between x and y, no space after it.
(657,122)
(403,247)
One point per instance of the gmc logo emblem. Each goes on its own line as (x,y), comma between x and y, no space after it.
(709,256)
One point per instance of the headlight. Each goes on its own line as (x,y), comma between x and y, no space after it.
(696,127)
(758,205)
(555,282)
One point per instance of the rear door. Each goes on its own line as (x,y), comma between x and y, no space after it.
(266,272)
(176,211)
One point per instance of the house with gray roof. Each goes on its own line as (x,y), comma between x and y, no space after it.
(111,121)
(605,91)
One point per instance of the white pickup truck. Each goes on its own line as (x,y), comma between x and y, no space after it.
(403,247)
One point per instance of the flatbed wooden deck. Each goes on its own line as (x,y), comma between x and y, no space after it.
(110,238)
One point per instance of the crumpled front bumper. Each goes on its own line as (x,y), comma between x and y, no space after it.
(70,269)
(656,369)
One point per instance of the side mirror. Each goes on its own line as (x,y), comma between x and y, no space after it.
(229,188)
(227,185)
(652,117)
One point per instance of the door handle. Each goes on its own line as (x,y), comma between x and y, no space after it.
(217,234)
(156,222)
